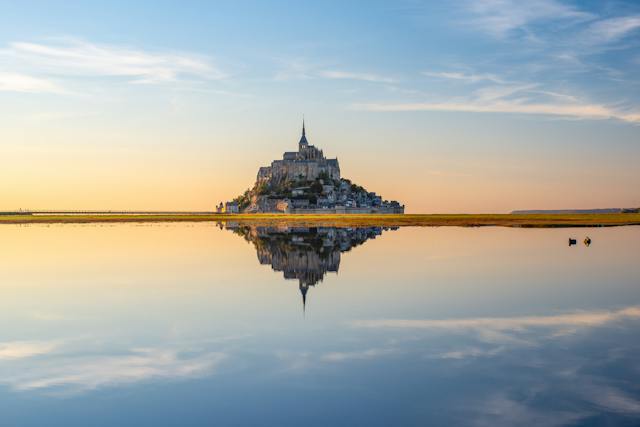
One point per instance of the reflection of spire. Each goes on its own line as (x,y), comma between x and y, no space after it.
(303,290)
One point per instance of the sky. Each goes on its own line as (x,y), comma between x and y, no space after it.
(464,106)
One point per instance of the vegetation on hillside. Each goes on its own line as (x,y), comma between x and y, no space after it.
(309,190)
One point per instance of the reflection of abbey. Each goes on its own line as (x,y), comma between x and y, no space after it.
(303,253)
(305,181)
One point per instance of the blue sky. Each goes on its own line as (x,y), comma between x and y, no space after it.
(483,102)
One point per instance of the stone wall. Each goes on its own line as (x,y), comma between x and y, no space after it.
(285,170)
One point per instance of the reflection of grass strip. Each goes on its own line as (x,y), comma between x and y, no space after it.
(349,220)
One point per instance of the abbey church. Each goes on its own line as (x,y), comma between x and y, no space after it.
(307,163)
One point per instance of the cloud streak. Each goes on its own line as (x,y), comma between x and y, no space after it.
(303,69)
(347,75)
(580,319)
(24,349)
(342,356)
(471,78)
(499,409)
(581,111)
(612,29)
(510,98)
(72,58)
(78,374)
(502,17)
(17,82)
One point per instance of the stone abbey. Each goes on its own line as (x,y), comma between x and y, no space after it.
(307,163)
(305,181)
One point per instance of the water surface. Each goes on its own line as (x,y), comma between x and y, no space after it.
(193,324)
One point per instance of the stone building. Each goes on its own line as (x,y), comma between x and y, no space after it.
(308,163)
(231,207)
(228,207)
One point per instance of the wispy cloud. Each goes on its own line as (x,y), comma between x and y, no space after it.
(77,374)
(294,69)
(471,78)
(580,319)
(24,349)
(610,398)
(566,379)
(612,29)
(341,356)
(499,409)
(553,24)
(494,336)
(492,93)
(580,111)
(501,17)
(504,96)
(547,363)
(468,353)
(72,58)
(556,41)
(348,75)
(17,82)
(304,69)
(305,361)
(512,98)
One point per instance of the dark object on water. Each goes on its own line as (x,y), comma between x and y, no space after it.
(572,241)
(587,241)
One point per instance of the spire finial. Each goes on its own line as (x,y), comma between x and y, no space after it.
(303,125)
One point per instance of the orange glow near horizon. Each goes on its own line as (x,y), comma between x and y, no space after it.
(48,168)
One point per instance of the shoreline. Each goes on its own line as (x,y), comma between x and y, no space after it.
(349,220)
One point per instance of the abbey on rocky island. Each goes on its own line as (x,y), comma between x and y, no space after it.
(305,181)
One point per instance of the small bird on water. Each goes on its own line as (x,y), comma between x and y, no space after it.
(587,241)
(572,241)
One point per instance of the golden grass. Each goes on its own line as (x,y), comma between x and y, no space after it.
(351,220)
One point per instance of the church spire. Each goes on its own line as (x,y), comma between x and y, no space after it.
(303,139)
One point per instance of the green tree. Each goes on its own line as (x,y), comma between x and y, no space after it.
(316,187)
(324,176)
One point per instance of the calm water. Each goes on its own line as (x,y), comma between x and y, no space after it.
(190,324)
